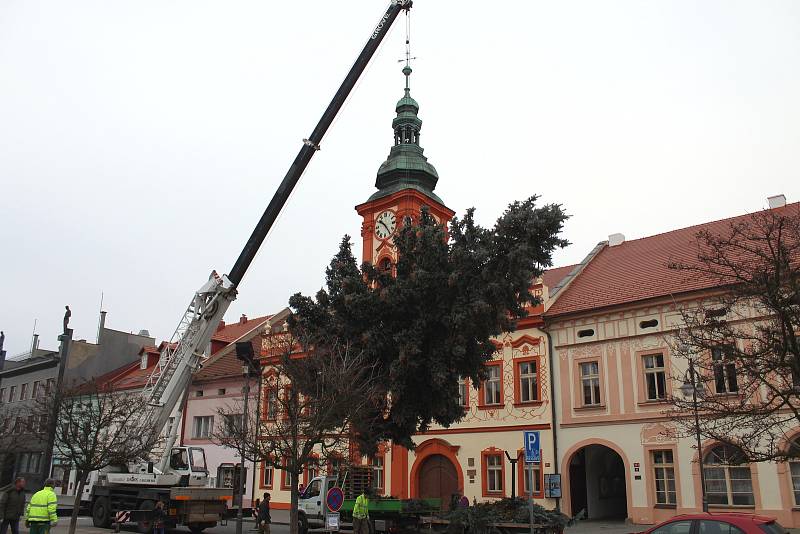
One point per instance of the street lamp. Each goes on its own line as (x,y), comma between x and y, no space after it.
(692,387)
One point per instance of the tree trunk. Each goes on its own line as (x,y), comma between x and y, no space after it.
(293,527)
(76,504)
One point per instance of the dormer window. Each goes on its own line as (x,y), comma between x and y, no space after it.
(143,364)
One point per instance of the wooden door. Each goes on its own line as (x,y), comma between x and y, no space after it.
(438,479)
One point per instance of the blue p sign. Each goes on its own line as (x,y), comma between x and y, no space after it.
(533,451)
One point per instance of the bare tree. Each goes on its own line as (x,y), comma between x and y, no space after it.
(96,427)
(310,398)
(744,342)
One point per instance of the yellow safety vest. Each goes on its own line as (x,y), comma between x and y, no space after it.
(43,507)
(361,508)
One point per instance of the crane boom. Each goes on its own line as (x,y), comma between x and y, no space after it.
(170,380)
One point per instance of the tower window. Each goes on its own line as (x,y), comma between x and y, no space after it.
(385,265)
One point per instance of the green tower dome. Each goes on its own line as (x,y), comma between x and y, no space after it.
(406,167)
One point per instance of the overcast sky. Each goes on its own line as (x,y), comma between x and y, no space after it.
(141,140)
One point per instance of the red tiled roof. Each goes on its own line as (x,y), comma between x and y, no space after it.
(224,367)
(231,332)
(638,269)
(552,277)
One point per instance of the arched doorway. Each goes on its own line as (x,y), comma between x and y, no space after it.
(597,483)
(438,479)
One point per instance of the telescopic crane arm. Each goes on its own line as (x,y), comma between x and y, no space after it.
(170,380)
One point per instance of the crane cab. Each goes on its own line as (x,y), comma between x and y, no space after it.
(190,464)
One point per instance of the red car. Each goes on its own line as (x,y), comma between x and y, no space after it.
(723,523)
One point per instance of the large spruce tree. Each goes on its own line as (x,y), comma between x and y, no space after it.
(429,321)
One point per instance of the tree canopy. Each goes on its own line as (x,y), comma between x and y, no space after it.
(429,321)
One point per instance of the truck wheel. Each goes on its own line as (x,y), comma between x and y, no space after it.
(302,524)
(196,529)
(101,513)
(145,527)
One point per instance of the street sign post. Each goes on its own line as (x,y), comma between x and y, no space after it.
(533,452)
(334,499)
(332,522)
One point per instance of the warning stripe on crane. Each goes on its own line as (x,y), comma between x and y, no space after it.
(122,517)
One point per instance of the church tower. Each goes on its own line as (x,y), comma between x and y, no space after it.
(405,184)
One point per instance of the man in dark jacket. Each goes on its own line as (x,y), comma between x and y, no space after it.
(13,507)
(264,518)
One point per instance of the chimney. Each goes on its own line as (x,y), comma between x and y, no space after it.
(615,240)
(101,326)
(777,201)
(34,345)
(220,326)
(243,319)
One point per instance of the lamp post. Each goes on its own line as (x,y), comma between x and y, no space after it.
(691,388)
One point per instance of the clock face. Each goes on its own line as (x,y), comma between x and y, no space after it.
(385,224)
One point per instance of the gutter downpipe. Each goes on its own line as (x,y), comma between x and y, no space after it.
(553,411)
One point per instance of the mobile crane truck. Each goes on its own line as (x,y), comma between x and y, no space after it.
(129,493)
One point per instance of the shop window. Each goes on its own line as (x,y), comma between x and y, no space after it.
(724,370)
(590,383)
(655,377)
(727,474)
(664,477)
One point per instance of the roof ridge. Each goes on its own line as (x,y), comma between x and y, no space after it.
(715,221)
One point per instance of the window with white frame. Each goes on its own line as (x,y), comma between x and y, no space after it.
(203,425)
(37,389)
(23,392)
(664,477)
(528,381)
(655,376)
(12,393)
(463,392)
(724,370)
(494,473)
(532,478)
(492,386)
(377,472)
(727,474)
(143,362)
(268,473)
(590,383)
(794,471)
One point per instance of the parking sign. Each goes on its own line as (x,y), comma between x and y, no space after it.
(532,449)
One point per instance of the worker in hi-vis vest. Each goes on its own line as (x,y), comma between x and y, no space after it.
(41,512)
(361,514)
